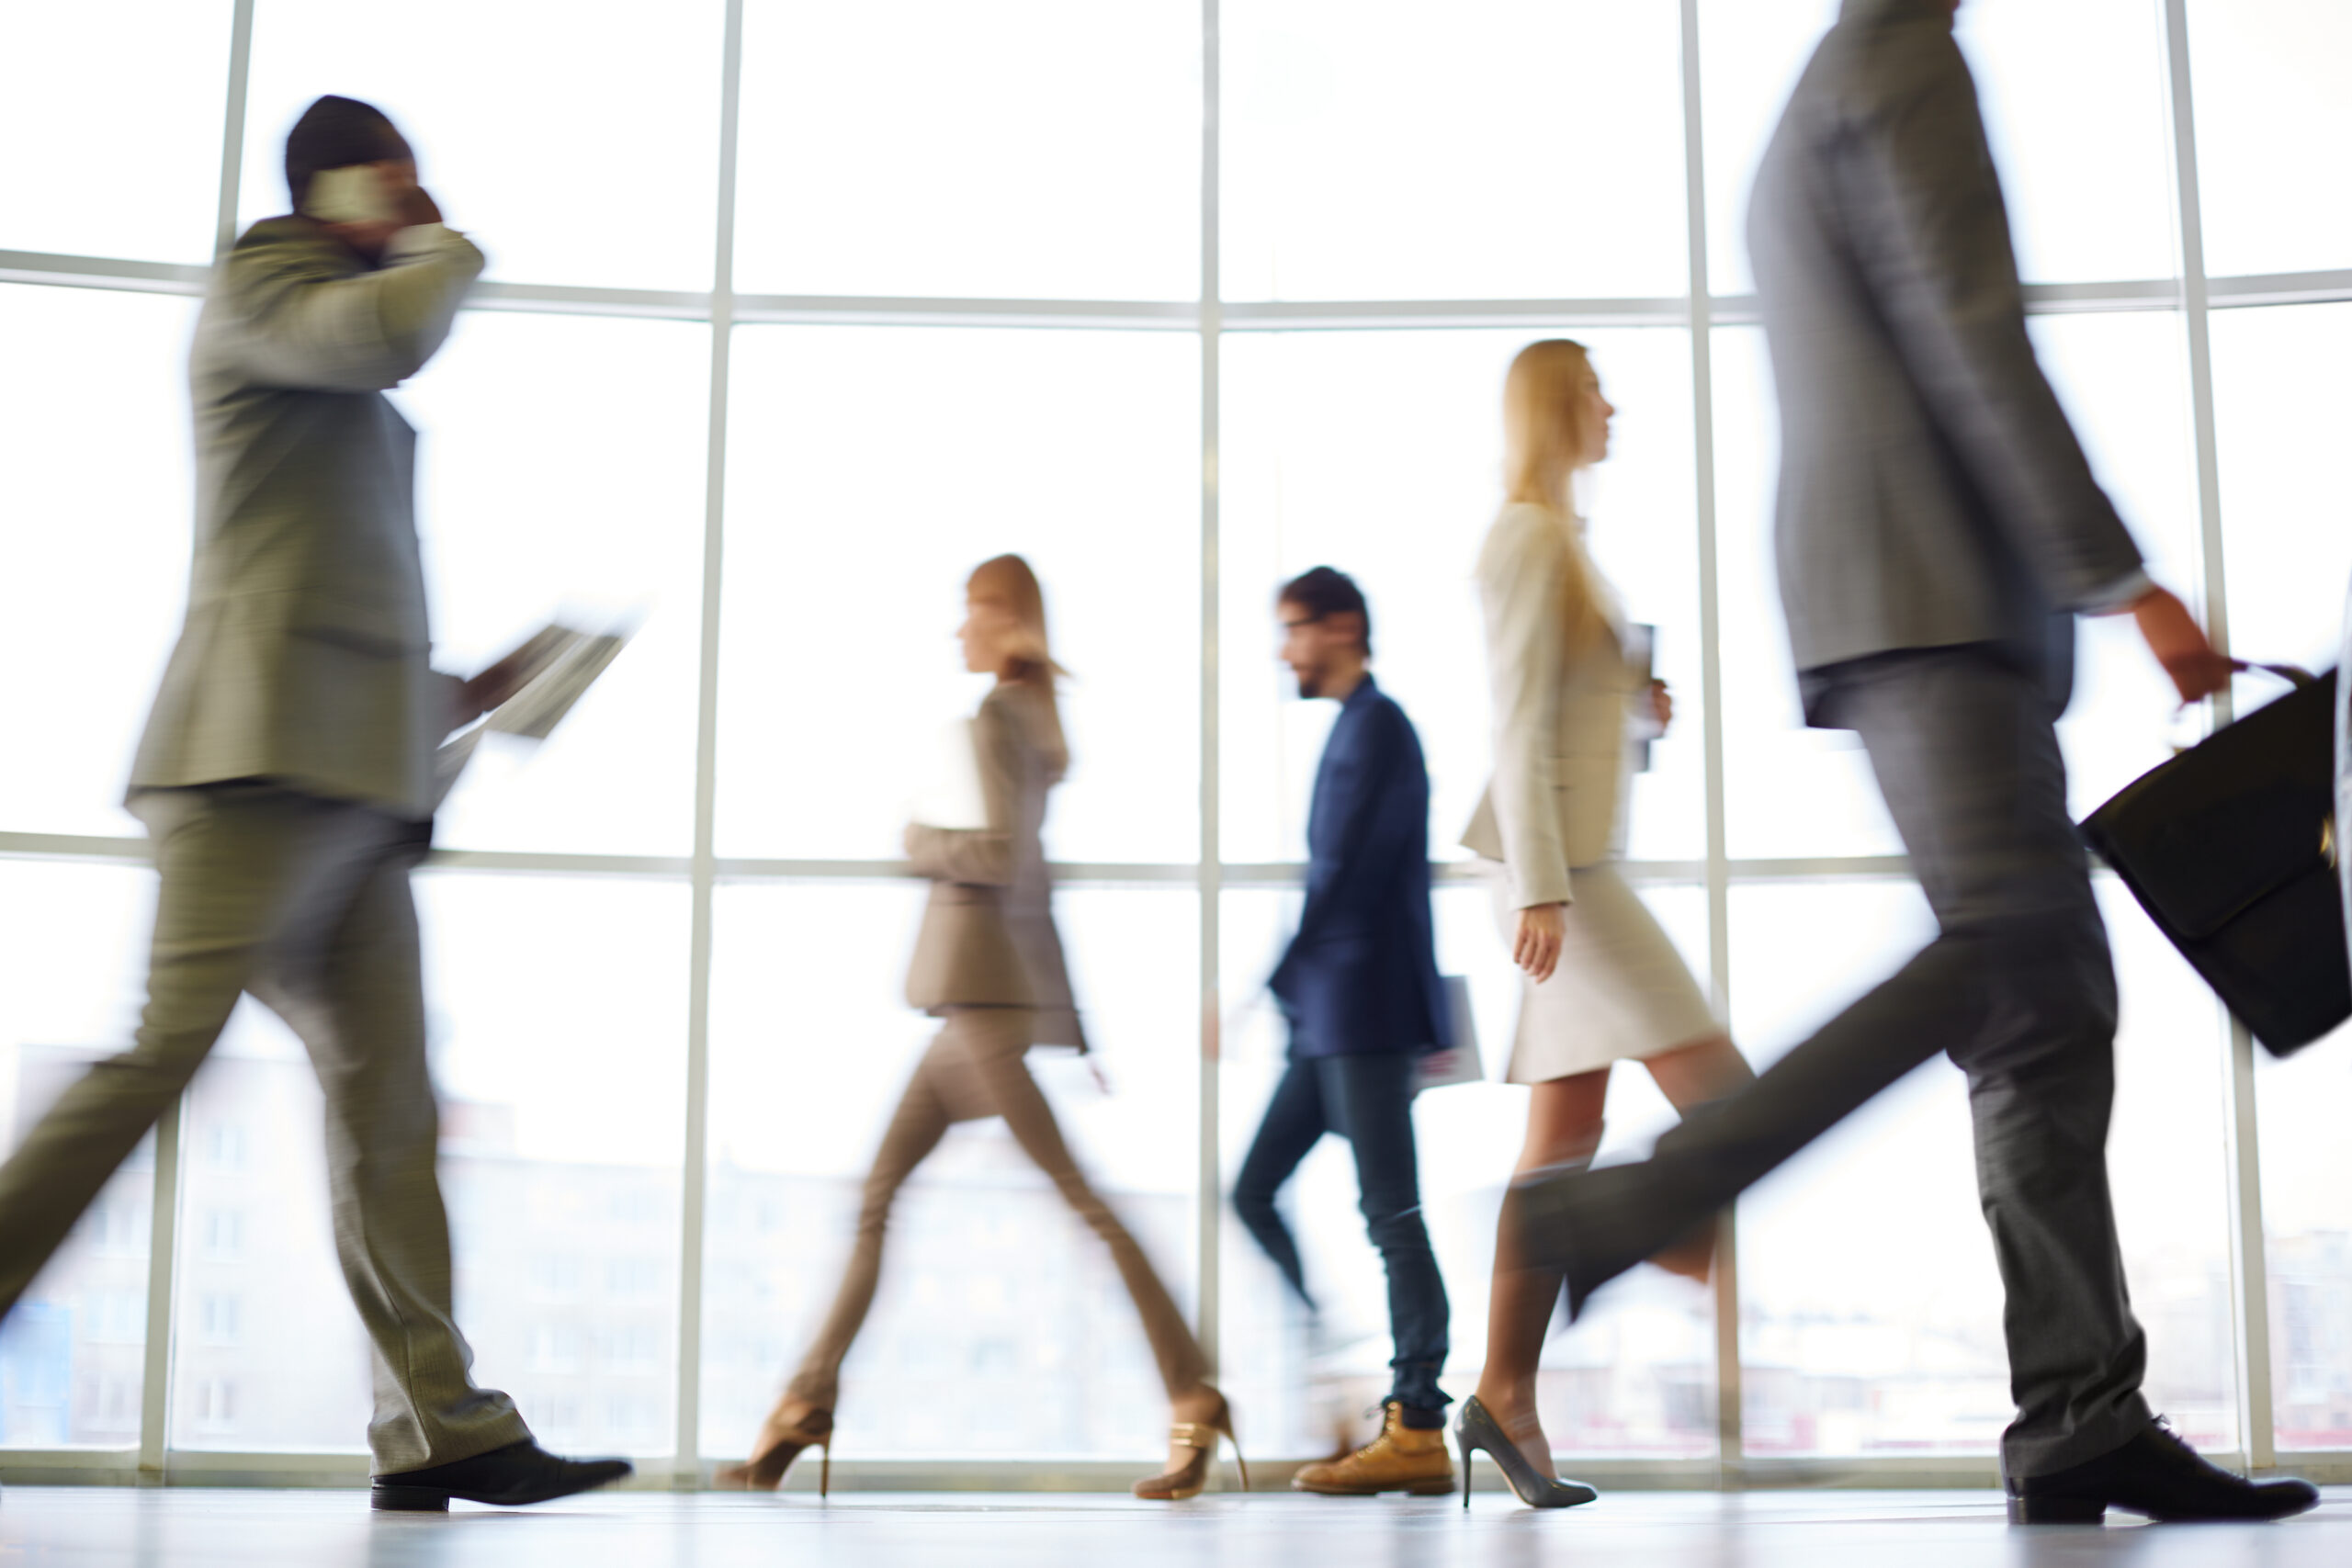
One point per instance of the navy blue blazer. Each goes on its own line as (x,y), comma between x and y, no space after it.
(1361,974)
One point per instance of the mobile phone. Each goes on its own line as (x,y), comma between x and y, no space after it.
(354,193)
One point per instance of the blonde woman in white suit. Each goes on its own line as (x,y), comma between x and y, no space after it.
(1603,982)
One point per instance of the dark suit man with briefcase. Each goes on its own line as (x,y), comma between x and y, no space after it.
(1938,530)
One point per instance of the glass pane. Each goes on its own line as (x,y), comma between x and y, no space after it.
(1635,1377)
(1040,149)
(528,130)
(870,469)
(2124,379)
(2272,118)
(1002,1328)
(2281,409)
(2077,110)
(268,1352)
(1870,1309)
(72,1353)
(558,1011)
(2168,1163)
(1491,183)
(2307,1225)
(562,472)
(2084,154)
(1750,52)
(94,573)
(114,114)
(1378,453)
(1791,790)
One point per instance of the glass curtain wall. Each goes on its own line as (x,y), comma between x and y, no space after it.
(795,312)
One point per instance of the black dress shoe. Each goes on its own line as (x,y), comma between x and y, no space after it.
(512,1476)
(2157,1475)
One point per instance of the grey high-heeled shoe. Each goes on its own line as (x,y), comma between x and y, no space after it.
(1477,1429)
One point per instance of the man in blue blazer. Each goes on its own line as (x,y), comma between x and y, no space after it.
(1359,990)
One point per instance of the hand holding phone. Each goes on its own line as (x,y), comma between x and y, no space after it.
(365,203)
(357,192)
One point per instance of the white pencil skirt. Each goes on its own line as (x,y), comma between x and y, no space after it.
(1621,993)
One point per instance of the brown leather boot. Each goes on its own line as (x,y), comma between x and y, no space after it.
(1402,1459)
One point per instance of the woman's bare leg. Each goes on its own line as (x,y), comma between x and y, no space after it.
(1564,1127)
(1688,1075)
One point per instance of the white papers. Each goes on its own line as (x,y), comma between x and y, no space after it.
(560,664)
(557,666)
(1461,1063)
(1640,659)
(953,797)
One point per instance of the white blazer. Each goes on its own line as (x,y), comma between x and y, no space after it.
(1559,720)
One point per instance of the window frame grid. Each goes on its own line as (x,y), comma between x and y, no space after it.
(2193,295)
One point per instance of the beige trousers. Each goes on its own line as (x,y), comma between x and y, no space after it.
(305,903)
(975,1068)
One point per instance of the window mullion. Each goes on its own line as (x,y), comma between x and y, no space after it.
(693,1175)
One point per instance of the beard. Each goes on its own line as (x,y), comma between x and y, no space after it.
(1310,685)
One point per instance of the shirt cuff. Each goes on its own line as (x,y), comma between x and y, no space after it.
(2120,594)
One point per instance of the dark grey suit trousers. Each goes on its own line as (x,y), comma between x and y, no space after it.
(2017,988)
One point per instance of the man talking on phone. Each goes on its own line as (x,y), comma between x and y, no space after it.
(286,779)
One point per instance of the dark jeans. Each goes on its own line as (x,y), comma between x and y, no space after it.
(1367,1099)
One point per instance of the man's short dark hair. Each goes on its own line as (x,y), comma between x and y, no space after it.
(1325,591)
(334,133)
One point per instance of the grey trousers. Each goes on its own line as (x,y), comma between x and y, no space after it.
(305,903)
(2017,988)
(974,1069)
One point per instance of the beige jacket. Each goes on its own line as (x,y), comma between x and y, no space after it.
(303,658)
(987,936)
(1559,722)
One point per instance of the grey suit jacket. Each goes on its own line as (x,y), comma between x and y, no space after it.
(304,654)
(1931,493)
(987,936)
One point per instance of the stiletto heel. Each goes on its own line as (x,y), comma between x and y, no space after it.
(765,1469)
(1224,1424)
(1479,1430)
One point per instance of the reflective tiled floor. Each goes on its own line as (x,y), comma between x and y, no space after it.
(203,1528)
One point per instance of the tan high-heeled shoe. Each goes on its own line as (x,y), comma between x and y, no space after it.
(776,1447)
(1190,1479)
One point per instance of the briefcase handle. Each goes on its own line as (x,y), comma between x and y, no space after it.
(2293,674)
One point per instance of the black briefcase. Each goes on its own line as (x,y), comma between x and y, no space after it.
(2230,849)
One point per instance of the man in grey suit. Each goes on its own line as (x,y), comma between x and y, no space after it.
(286,779)
(1938,530)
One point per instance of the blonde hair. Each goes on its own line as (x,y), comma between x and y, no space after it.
(1008,583)
(1545,437)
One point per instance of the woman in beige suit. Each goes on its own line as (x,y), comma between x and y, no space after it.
(1602,983)
(988,963)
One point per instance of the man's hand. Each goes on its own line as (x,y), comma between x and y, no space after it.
(1536,945)
(409,204)
(2179,644)
(491,687)
(1662,705)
